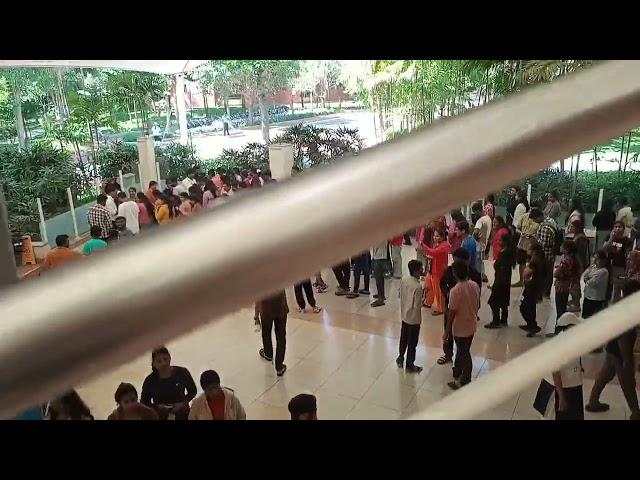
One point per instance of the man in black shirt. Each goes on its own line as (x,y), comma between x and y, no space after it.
(273,314)
(447,282)
(534,281)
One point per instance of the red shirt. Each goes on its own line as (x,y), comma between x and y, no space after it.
(397,241)
(496,241)
(216,405)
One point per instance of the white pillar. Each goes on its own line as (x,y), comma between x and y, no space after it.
(121,179)
(73,210)
(280,160)
(158,172)
(147,161)
(529,193)
(181,107)
(600,198)
(43,225)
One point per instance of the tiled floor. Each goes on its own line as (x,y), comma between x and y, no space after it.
(345,356)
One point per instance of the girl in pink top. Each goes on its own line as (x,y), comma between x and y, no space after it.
(209,196)
(146,211)
(185,204)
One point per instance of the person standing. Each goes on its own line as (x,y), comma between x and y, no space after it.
(129,408)
(361,267)
(512,203)
(521,208)
(481,232)
(273,315)
(499,230)
(439,260)
(164,211)
(152,192)
(468,242)
(133,194)
(553,209)
(603,222)
(546,238)
(308,290)
(111,191)
(190,179)
(342,271)
(379,258)
(452,235)
(168,389)
(620,362)
(216,402)
(533,277)
(411,294)
(526,226)
(501,289)
(130,211)
(447,282)
(583,255)
(61,254)
(596,282)
(99,216)
(464,303)
(625,215)
(146,212)
(489,208)
(396,255)
(618,247)
(566,274)
(225,124)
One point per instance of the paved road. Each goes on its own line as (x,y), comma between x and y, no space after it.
(211,145)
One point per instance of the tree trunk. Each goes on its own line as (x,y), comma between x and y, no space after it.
(339,100)
(205,104)
(291,102)
(264,117)
(595,161)
(251,113)
(626,158)
(135,113)
(562,165)
(167,113)
(17,110)
(226,105)
(302,100)
(621,154)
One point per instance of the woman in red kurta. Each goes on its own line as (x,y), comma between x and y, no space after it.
(439,255)
(499,230)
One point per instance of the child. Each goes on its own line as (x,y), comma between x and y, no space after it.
(464,303)
(501,290)
(565,383)
(121,228)
(566,274)
(596,280)
(533,276)
(96,243)
(411,294)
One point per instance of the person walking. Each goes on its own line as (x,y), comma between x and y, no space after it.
(225,124)
(618,247)
(526,227)
(411,294)
(546,238)
(566,275)
(273,316)
(533,277)
(216,402)
(308,290)
(501,288)
(464,303)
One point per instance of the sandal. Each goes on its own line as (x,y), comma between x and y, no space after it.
(443,360)
(317,309)
(300,310)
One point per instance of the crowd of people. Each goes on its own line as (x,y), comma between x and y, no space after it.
(546,256)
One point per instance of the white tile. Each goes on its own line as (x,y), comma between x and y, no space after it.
(366,411)
(348,383)
(383,394)
(284,390)
(332,406)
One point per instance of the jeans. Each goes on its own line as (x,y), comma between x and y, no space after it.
(379,268)
(562,298)
(618,283)
(342,271)
(528,306)
(409,335)
(279,325)
(396,260)
(447,345)
(361,266)
(308,290)
(225,129)
(462,364)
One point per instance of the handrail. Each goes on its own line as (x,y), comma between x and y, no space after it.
(61,329)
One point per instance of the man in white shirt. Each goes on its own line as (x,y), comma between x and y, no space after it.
(129,210)
(176,188)
(112,193)
(481,232)
(625,215)
(411,296)
(190,179)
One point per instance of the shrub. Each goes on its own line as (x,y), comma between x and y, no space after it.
(117,156)
(41,171)
(175,159)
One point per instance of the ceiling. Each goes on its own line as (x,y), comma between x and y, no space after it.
(167,67)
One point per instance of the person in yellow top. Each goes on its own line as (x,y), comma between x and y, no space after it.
(164,213)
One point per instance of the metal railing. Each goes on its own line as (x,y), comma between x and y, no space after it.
(61,329)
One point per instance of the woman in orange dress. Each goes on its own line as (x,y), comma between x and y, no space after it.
(439,255)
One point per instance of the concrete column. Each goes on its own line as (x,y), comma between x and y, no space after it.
(280,160)
(182,110)
(146,161)
(600,198)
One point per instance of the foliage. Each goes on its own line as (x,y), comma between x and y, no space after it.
(117,156)
(175,159)
(40,171)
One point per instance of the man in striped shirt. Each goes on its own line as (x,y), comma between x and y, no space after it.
(546,237)
(99,216)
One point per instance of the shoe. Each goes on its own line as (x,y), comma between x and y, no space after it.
(317,309)
(264,355)
(413,369)
(533,331)
(321,289)
(400,362)
(378,303)
(523,327)
(282,370)
(375,295)
(352,295)
(454,385)
(493,325)
(300,310)
(444,360)
(364,292)
(596,408)
(341,292)
(634,416)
